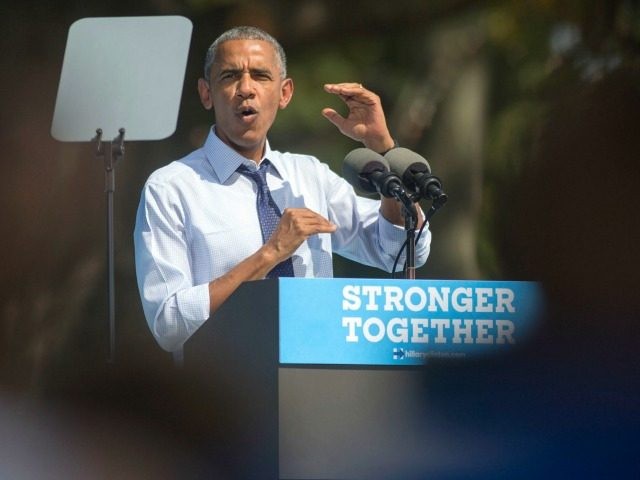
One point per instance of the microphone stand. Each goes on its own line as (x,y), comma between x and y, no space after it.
(430,187)
(410,222)
(116,152)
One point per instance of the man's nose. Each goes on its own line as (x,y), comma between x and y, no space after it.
(245,86)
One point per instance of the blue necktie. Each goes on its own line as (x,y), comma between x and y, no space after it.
(268,214)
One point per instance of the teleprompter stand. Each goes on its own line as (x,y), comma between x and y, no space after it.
(117,73)
(116,153)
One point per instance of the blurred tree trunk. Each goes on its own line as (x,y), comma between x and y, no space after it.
(442,114)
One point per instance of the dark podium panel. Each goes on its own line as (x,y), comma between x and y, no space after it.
(238,348)
(346,419)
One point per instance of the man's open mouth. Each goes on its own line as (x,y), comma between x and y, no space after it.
(247,111)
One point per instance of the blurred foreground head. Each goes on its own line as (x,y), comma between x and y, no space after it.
(576,225)
(565,404)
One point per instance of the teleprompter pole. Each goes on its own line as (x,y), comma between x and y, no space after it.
(116,153)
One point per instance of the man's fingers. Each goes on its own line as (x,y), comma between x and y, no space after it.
(296,225)
(350,91)
(347,88)
(334,117)
(307,222)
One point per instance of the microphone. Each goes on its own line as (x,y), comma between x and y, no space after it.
(369,172)
(416,174)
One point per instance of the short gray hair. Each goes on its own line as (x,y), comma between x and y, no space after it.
(244,33)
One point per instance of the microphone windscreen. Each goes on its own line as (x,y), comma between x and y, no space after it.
(403,162)
(358,165)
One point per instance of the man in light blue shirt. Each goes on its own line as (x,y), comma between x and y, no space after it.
(197,234)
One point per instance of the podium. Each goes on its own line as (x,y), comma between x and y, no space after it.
(324,376)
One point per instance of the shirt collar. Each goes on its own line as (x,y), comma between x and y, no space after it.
(225,160)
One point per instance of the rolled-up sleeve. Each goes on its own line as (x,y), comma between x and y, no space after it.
(392,237)
(174,308)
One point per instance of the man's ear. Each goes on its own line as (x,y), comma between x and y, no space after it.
(205,94)
(286,92)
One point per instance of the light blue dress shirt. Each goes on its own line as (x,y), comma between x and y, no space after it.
(197,219)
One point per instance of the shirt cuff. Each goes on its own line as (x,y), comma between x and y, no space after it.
(391,235)
(193,303)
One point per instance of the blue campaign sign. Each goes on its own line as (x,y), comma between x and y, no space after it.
(402,322)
